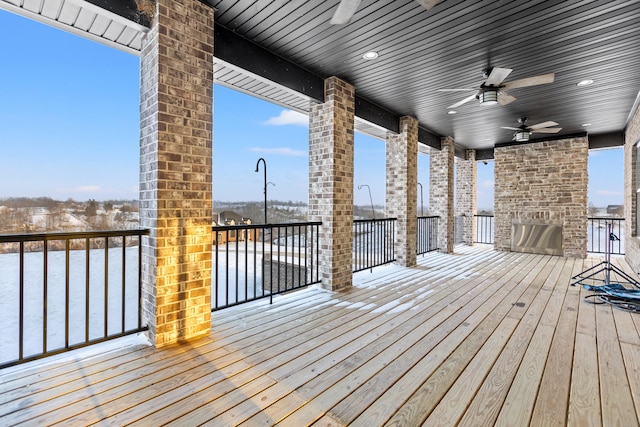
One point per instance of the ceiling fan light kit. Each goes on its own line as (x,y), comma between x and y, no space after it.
(523,132)
(494,89)
(488,96)
(522,135)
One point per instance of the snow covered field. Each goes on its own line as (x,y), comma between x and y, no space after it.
(79,300)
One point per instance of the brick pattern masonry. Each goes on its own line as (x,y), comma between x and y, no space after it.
(441,192)
(466,195)
(331,181)
(401,188)
(176,170)
(631,184)
(543,181)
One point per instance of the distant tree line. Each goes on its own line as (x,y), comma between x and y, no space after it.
(43,214)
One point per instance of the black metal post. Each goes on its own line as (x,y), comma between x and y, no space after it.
(373,212)
(420,184)
(265,185)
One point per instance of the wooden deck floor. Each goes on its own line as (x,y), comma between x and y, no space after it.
(477,338)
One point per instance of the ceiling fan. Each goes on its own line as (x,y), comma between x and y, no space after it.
(523,131)
(347,8)
(493,90)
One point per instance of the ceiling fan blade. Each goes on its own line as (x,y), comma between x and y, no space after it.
(497,76)
(464,101)
(428,4)
(510,128)
(455,90)
(543,125)
(504,98)
(547,130)
(530,81)
(345,11)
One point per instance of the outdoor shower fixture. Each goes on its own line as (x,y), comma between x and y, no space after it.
(373,212)
(265,185)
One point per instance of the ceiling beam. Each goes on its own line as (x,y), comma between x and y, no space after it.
(429,138)
(484,154)
(606,140)
(372,113)
(244,54)
(128,9)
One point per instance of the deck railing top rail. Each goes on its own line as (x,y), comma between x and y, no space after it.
(374,220)
(32,237)
(254,226)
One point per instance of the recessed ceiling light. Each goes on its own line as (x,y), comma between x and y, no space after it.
(371,55)
(452,112)
(584,125)
(586,82)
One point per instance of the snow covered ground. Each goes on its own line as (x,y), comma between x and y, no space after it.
(56,307)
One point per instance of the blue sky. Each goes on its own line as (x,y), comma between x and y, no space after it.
(69,128)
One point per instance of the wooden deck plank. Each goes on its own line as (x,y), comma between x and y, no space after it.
(272,352)
(465,338)
(617,403)
(355,295)
(109,408)
(232,414)
(423,370)
(276,412)
(552,403)
(455,402)
(268,364)
(391,401)
(486,405)
(442,366)
(631,355)
(517,407)
(584,402)
(451,296)
(519,403)
(326,393)
(273,361)
(117,388)
(371,390)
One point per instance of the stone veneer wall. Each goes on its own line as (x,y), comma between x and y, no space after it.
(466,195)
(441,192)
(543,181)
(176,158)
(631,180)
(402,188)
(331,181)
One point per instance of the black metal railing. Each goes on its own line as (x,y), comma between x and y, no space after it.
(484,229)
(257,261)
(373,243)
(427,239)
(597,238)
(62,291)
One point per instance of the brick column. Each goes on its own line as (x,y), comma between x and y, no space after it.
(441,192)
(466,195)
(331,181)
(176,158)
(401,194)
